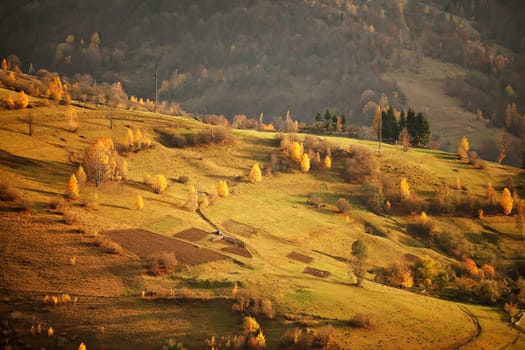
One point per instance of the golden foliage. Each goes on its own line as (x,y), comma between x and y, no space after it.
(11,77)
(261,340)
(250,325)
(72,187)
(463,148)
(81,175)
(327,163)
(139,202)
(100,160)
(458,184)
(305,163)
(22,100)
(423,218)
(404,189)
(506,201)
(4,64)
(255,174)
(50,332)
(222,189)
(55,89)
(82,347)
(296,151)
(159,183)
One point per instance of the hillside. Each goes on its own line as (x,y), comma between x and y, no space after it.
(298,252)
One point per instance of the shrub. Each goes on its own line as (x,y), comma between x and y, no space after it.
(361,320)
(7,193)
(58,204)
(315,200)
(183,179)
(24,205)
(81,175)
(373,196)
(424,225)
(361,165)
(108,245)
(22,100)
(218,135)
(159,183)
(10,103)
(162,263)
(343,205)
(305,163)
(70,217)
(487,291)
(454,243)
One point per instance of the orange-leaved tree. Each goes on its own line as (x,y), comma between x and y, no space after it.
(72,187)
(22,100)
(506,201)
(255,174)
(81,175)
(159,183)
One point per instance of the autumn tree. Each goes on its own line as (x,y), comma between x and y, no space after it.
(22,100)
(296,151)
(404,190)
(81,175)
(255,174)
(506,201)
(305,163)
(55,89)
(327,162)
(139,202)
(100,160)
(159,183)
(343,205)
(72,187)
(4,64)
(463,148)
(222,189)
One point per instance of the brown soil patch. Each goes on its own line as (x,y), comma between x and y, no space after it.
(238,250)
(144,243)
(192,234)
(240,228)
(300,257)
(315,272)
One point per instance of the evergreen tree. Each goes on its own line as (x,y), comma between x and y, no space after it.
(334,122)
(317,117)
(422,130)
(390,128)
(343,123)
(327,118)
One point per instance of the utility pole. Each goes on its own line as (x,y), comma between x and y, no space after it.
(380,133)
(156,86)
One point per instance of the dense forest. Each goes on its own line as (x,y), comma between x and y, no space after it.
(229,57)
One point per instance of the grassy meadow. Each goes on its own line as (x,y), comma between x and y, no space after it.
(272,218)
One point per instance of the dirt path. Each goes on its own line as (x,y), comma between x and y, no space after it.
(475,335)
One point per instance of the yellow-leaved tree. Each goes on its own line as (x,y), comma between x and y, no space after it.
(222,189)
(100,160)
(10,102)
(72,187)
(305,163)
(404,190)
(327,163)
(4,64)
(506,201)
(22,100)
(159,183)
(81,175)
(463,148)
(139,202)
(255,174)
(296,151)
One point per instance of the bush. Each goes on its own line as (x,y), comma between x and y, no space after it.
(373,196)
(218,135)
(7,193)
(487,291)
(58,204)
(70,217)
(343,205)
(454,243)
(107,245)
(315,200)
(24,205)
(361,321)
(159,264)
(361,165)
